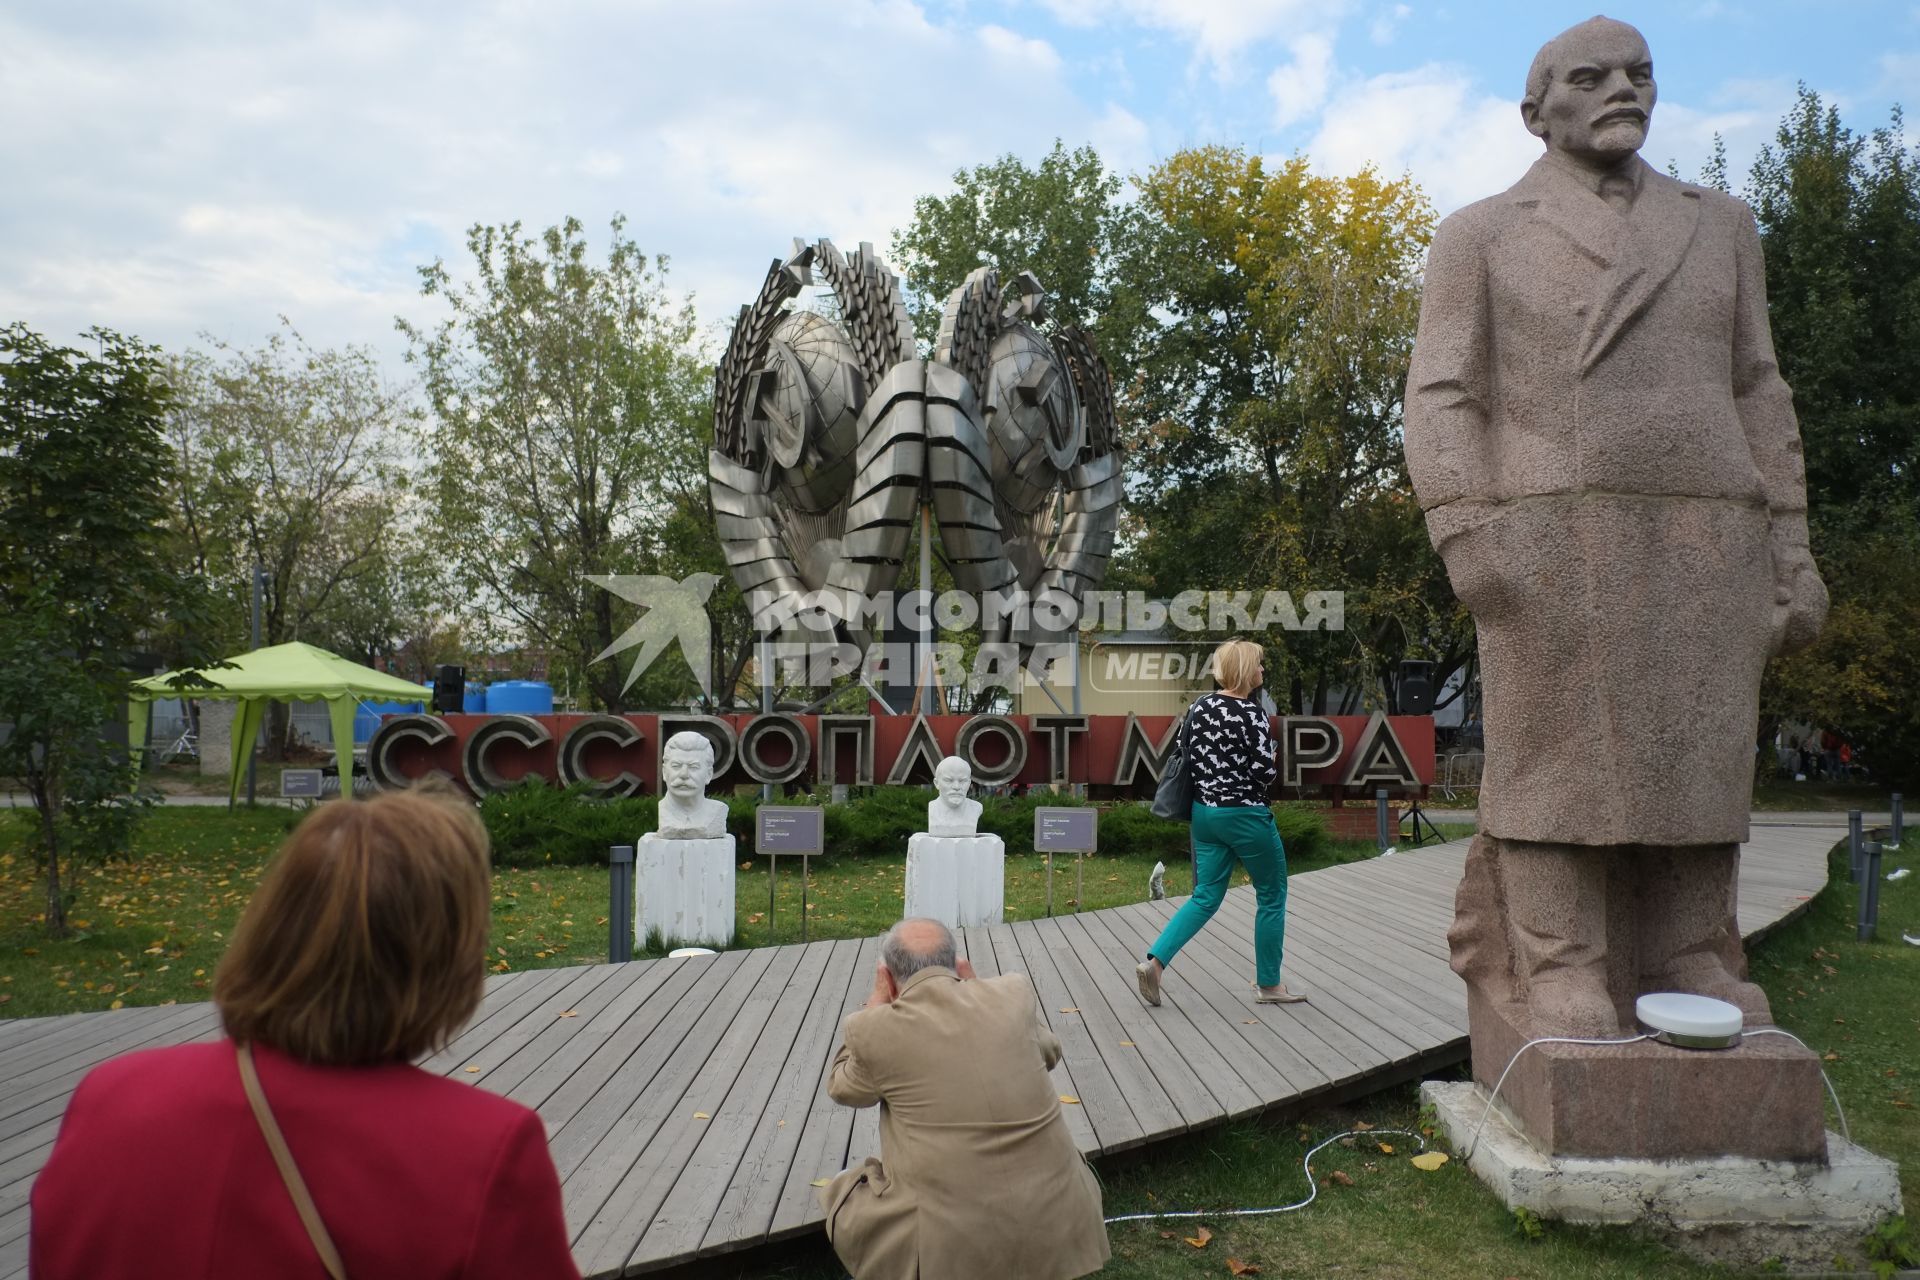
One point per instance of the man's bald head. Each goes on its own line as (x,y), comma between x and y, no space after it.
(916,944)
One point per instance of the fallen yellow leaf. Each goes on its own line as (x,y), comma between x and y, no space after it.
(1429,1160)
(1199,1241)
(570,1013)
(821,1182)
(1341,1177)
(1239,1268)
(1069,1099)
(1386,1148)
(701,1115)
(1126,1044)
(1072,1008)
(1361,1126)
(473,1071)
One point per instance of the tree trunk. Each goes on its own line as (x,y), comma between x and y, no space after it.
(273,731)
(56,900)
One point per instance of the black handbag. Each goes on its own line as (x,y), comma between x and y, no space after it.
(1173,798)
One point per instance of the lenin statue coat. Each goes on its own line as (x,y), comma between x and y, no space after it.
(978,1175)
(1609,465)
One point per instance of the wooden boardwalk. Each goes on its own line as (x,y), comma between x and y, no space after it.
(685,1098)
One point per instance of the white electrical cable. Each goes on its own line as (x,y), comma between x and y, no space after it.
(1492,1097)
(1313,1186)
(1838,1110)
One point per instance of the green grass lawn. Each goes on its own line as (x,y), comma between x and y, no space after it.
(155,924)
(1854,1002)
(1820,796)
(150,927)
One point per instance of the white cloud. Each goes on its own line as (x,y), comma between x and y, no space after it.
(1300,86)
(201,169)
(1014,48)
(1220,31)
(1386,24)
(1457,141)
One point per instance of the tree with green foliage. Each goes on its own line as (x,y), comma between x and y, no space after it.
(1063,219)
(570,419)
(1267,404)
(288,457)
(1839,217)
(85,580)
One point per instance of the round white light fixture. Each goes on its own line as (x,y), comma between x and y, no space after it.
(684,952)
(1692,1022)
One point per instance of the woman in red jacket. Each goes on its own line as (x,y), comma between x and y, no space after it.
(363,949)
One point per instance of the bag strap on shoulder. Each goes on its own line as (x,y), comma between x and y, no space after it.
(289,1171)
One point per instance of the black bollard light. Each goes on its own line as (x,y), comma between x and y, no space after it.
(620,904)
(1855,845)
(1869,919)
(1382,819)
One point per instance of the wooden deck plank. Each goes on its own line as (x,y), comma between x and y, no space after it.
(639,994)
(500,1013)
(633,1159)
(1395,1032)
(822,1150)
(1220,1015)
(768,1167)
(58,1078)
(695,1156)
(748,1036)
(739,1120)
(1253,1078)
(1169,1046)
(987,964)
(1314,1030)
(1109,1099)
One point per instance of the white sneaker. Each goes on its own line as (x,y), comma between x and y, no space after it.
(1147,973)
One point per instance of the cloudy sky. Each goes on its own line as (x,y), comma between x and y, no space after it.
(205,166)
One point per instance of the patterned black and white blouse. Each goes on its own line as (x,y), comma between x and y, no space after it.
(1232,749)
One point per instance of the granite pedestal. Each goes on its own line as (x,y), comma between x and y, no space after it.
(957,880)
(1761,1099)
(1733,1210)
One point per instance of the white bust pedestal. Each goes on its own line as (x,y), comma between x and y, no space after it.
(957,880)
(683,889)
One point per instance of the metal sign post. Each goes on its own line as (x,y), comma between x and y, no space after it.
(782,829)
(300,784)
(1066,830)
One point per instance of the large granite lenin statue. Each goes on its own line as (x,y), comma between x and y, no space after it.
(1611,470)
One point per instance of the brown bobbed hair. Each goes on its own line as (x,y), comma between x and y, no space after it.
(366,942)
(1236,663)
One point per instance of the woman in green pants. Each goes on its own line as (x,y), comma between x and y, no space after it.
(1230,746)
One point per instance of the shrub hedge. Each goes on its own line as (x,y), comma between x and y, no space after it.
(536,824)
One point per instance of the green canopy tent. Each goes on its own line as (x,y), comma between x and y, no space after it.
(290,672)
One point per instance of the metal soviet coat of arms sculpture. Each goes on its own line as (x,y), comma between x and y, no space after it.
(830,435)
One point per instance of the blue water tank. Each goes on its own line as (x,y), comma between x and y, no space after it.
(520,697)
(476,703)
(366,718)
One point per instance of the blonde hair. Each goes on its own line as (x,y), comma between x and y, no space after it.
(366,942)
(1236,663)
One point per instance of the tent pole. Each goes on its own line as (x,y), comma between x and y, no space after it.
(259,582)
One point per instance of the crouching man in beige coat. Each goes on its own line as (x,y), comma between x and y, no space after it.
(978,1176)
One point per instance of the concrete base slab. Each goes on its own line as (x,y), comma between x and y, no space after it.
(1727,1209)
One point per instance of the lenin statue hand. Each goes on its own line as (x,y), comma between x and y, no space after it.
(1799,597)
